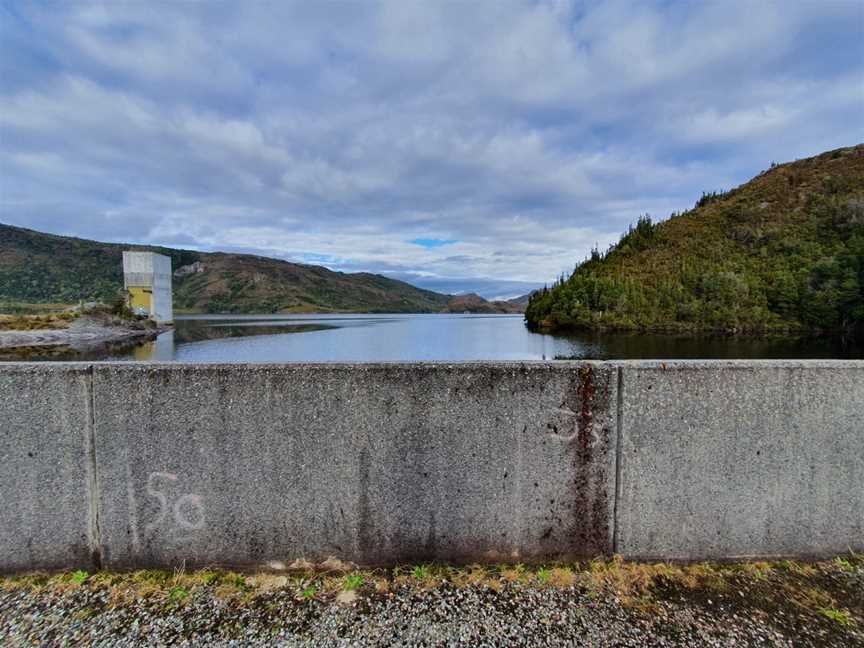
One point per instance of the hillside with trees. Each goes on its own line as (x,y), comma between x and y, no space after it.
(782,253)
(46,268)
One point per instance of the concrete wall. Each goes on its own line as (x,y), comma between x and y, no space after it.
(132,464)
(46,475)
(741,459)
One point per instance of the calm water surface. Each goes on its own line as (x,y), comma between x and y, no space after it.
(369,338)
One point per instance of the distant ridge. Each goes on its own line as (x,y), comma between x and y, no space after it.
(47,268)
(783,252)
(474,303)
(522,300)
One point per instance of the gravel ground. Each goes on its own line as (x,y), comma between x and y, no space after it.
(759,608)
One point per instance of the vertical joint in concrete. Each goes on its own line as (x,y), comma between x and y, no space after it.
(619,434)
(95,521)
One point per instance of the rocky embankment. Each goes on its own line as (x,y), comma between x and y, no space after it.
(83,333)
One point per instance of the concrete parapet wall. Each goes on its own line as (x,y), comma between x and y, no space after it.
(741,459)
(45,467)
(373,464)
(141,465)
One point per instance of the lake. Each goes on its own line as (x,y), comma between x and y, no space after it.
(368,338)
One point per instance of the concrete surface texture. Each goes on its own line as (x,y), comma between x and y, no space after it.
(161,465)
(45,478)
(740,461)
(373,464)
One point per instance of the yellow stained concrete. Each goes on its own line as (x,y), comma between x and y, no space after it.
(141,298)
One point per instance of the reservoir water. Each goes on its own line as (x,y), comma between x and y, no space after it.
(370,338)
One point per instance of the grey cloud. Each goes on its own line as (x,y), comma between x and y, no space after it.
(527,132)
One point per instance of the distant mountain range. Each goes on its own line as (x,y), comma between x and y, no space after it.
(474,303)
(782,253)
(45,268)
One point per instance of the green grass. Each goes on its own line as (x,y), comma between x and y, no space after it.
(178,593)
(79,577)
(420,572)
(839,616)
(353,581)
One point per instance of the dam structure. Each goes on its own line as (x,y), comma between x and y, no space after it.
(126,465)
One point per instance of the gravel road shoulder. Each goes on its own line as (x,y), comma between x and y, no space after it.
(598,604)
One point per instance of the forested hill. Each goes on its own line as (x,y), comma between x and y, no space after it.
(38,267)
(783,252)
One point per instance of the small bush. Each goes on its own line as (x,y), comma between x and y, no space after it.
(79,577)
(178,593)
(840,616)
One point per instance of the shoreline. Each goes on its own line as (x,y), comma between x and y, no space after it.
(80,336)
(694,332)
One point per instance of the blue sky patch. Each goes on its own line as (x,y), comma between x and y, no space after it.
(430,243)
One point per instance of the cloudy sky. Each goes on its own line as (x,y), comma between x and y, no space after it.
(462,146)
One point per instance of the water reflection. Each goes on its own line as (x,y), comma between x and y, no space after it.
(636,346)
(371,338)
(368,338)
